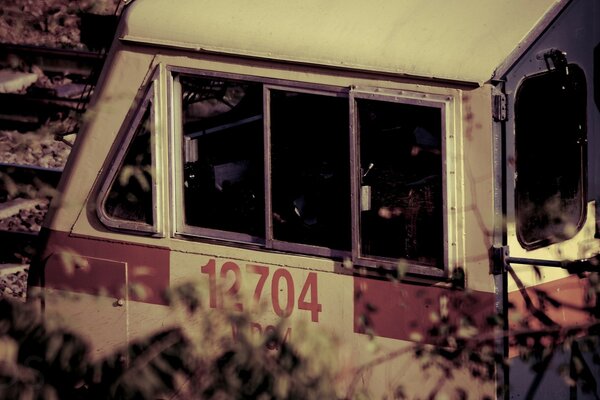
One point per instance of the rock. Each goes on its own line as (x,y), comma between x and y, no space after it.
(18,206)
(37,148)
(15,82)
(28,217)
(13,281)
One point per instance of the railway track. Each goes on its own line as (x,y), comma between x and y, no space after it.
(43,93)
(64,82)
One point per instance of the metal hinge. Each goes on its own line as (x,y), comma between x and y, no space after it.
(498,105)
(558,59)
(498,256)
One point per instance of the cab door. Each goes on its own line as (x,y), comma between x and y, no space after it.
(551,190)
(552,139)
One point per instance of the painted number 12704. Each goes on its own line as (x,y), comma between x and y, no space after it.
(280,282)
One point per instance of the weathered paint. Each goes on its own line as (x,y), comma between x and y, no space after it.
(462,41)
(108,325)
(404,311)
(570,291)
(93,265)
(388,57)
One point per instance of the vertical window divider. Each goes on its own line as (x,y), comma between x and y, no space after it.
(354,175)
(176,156)
(267,167)
(160,145)
(175,143)
(154,149)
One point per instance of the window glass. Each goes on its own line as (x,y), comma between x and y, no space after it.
(550,130)
(223,155)
(299,196)
(401,181)
(130,196)
(310,169)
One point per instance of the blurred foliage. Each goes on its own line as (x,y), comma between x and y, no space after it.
(200,360)
(461,342)
(250,366)
(215,354)
(37,362)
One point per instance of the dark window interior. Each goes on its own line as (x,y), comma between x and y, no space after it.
(223,155)
(550,130)
(130,195)
(310,169)
(310,173)
(401,188)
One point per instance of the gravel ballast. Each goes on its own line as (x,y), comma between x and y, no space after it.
(13,281)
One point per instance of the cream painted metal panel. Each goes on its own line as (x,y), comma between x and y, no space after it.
(115,93)
(448,40)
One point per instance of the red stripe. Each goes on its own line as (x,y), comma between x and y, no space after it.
(88,265)
(571,292)
(399,310)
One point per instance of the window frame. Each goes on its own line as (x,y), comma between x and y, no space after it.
(150,97)
(582,183)
(446,103)
(180,226)
(271,241)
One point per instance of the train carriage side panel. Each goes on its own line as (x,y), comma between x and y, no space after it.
(116,91)
(477,183)
(97,270)
(158,262)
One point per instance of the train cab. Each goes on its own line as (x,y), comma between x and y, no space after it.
(362,169)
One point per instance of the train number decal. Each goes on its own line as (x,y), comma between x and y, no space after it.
(280,284)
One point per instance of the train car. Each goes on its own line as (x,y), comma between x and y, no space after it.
(358,167)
